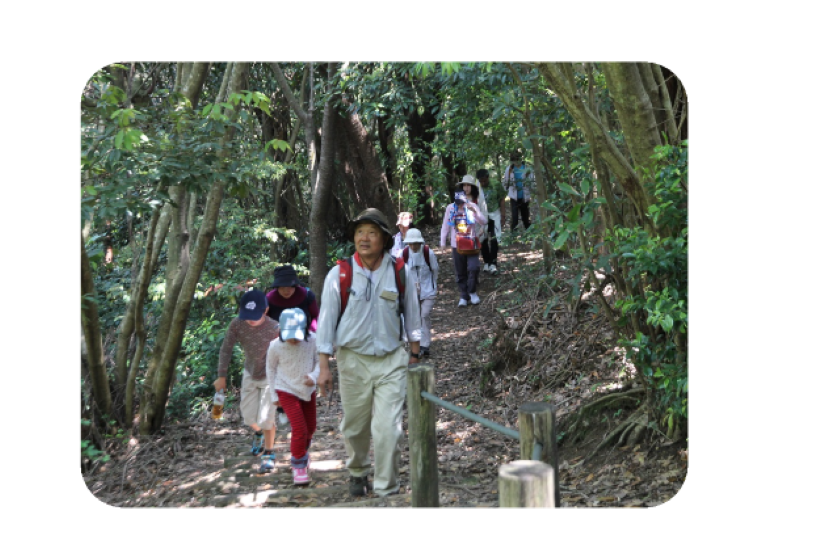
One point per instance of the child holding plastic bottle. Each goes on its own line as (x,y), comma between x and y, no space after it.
(292,368)
(254,331)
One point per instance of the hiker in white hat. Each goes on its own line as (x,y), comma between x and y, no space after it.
(460,221)
(423,262)
(403,223)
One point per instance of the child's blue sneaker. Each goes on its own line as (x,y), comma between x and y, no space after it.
(267,463)
(258,443)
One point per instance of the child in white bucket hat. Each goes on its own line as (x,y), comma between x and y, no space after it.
(292,368)
(423,262)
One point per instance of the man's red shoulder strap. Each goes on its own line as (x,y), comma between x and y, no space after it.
(345,280)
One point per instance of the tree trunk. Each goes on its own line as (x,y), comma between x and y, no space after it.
(635,111)
(321,190)
(93,341)
(194,82)
(133,322)
(454,173)
(373,176)
(157,392)
(421,134)
(560,77)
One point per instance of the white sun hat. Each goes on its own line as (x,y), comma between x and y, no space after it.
(413,236)
(469,180)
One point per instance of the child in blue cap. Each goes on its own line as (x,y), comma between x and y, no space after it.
(254,330)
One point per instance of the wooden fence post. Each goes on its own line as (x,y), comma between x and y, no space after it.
(422,440)
(536,424)
(526,483)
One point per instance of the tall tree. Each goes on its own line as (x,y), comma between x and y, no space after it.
(159,378)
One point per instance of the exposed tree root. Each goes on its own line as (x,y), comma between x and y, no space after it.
(628,432)
(588,410)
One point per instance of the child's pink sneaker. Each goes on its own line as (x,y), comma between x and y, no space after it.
(300,476)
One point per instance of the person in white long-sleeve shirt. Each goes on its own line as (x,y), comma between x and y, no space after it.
(369,352)
(292,370)
(466,266)
(403,224)
(426,274)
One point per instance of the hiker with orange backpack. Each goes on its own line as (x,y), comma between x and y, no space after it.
(360,323)
(422,260)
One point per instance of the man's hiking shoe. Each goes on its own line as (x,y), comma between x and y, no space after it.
(267,464)
(486,268)
(462,302)
(300,475)
(258,443)
(359,485)
(474,299)
(493,269)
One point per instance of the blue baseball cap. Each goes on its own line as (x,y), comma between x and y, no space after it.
(460,196)
(292,324)
(252,306)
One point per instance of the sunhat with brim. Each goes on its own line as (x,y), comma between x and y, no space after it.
(372,216)
(467,180)
(413,236)
(252,306)
(285,277)
(292,324)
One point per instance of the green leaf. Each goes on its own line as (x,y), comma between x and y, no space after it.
(567,188)
(585,186)
(561,239)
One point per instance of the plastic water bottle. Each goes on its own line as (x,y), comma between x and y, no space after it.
(218,405)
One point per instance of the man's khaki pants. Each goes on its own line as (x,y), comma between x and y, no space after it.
(372,395)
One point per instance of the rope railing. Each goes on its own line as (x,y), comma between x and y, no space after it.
(471,415)
(523,483)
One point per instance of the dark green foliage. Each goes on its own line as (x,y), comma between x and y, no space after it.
(655,268)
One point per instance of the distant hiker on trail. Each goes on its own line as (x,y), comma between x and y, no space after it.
(494,198)
(287,293)
(292,369)
(460,221)
(254,331)
(403,223)
(422,260)
(470,187)
(369,351)
(518,180)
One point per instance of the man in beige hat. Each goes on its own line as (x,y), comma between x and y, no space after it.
(403,223)
(369,353)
